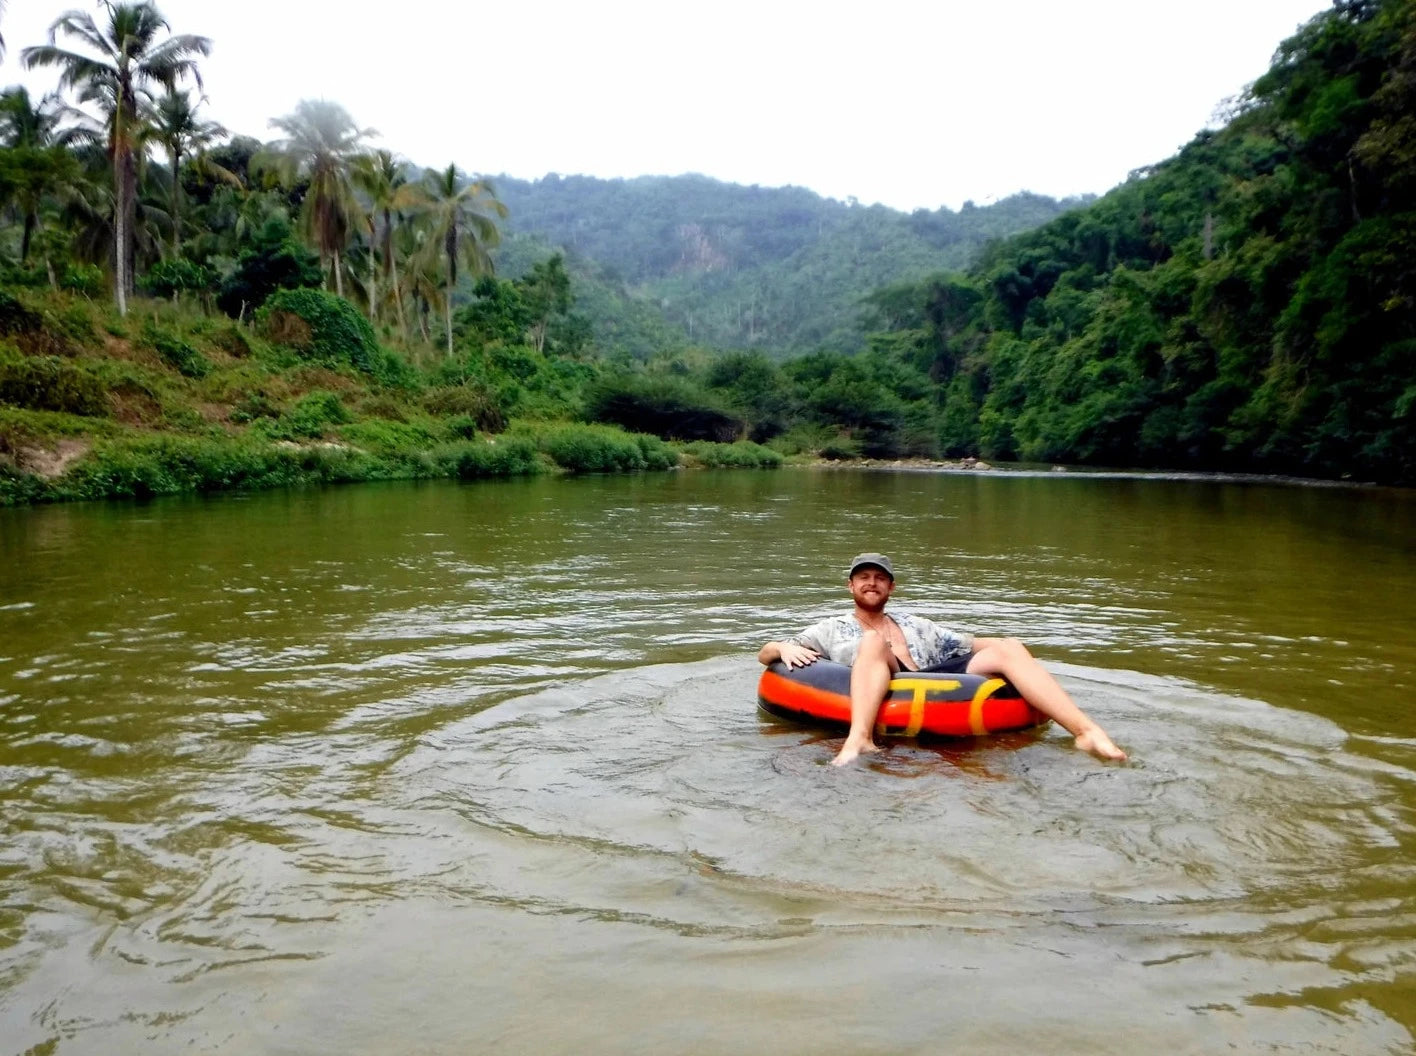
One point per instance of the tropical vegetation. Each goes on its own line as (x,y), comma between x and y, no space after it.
(181,309)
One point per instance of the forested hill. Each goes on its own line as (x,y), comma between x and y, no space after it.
(1248,304)
(776,269)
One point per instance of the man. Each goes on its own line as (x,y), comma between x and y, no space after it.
(876,646)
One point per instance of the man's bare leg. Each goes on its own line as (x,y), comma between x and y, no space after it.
(870,681)
(1010,658)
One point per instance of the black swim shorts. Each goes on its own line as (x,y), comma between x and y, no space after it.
(955,665)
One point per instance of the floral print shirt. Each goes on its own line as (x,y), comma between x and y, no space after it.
(838,638)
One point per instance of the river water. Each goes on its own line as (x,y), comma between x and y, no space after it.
(438,768)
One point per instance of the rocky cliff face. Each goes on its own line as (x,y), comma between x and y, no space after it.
(697,253)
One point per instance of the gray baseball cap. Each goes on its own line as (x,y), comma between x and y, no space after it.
(878,560)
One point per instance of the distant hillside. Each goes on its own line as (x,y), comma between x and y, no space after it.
(778,269)
(1249,303)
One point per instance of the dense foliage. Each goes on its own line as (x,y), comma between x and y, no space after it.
(1247,304)
(310,310)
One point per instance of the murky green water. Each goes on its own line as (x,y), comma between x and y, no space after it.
(439,768)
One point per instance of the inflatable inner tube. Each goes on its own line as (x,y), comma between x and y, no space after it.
(918,702)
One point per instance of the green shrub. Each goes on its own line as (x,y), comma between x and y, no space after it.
(461,427)
(29,330)
(14,274)
(393,371)
(176,352)
(168,465)
(803,438)
(841,449)
(321,328)
(673,408)
(656,453)
(168,278)
(274,261)
(232,340)
(592,449)
(387,437)
(48,383)
(470,401)
(741,455)
(383,407)
(253,406)
(508,456)
(86,279)
(164,465)
(15,317)
(18,488)
(15,435)
(184,419)
(312,413)
(600,448)
(76,321)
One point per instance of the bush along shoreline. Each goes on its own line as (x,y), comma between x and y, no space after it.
(170,401)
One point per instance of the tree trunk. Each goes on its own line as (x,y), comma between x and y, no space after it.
(338,275)
(176,209)
(448,312)
(398,300)
(30,219)
(451,246)
(120,234)
(373,276)
(391,262)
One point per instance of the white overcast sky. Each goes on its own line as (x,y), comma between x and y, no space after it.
(913,104)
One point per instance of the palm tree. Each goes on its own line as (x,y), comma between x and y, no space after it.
(128,57)
(384,181)
(177,127)
(23,124)
(320,145)
(420,281)
(38,162)
(462,226)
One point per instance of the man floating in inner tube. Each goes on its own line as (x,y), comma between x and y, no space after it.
(876,646)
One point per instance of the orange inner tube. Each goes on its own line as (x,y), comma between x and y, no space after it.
(951,705)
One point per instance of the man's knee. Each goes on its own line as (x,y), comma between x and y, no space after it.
(873,647)
(1000,653)
(1014,647)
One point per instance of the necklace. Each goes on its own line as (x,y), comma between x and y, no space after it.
(882,628)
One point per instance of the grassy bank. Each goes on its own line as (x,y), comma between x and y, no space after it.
(171,400)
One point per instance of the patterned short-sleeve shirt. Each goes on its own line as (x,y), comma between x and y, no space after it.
(838,638)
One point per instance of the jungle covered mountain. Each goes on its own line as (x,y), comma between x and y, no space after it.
(1248,304)
(777,269)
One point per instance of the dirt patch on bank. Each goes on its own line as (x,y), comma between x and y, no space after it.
(52,462)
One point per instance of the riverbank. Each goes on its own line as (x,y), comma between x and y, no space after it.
(144,466)
(171,400)
(1030,469)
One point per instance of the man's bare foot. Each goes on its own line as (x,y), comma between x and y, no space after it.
(849,751)
(1100,745)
